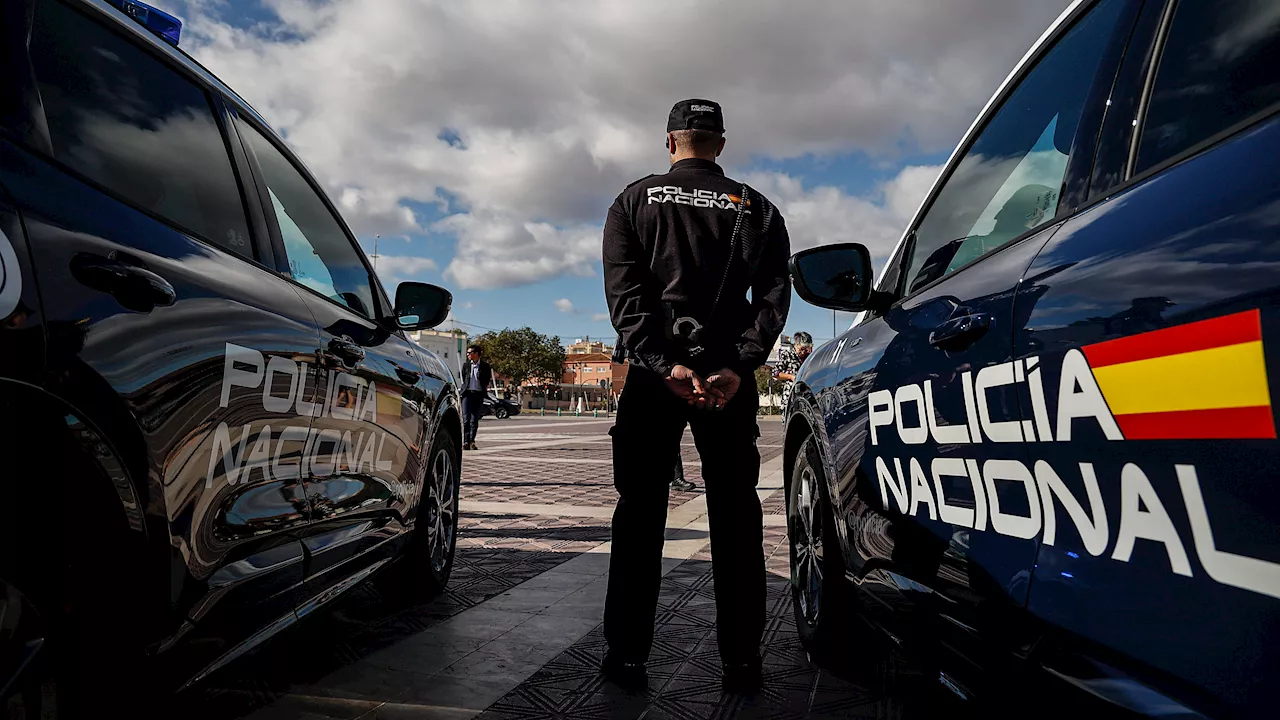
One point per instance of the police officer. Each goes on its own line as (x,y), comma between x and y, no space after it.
(681,253)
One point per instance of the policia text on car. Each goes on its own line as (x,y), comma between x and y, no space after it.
(681,253)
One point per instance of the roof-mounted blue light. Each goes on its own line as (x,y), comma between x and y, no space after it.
(159,22)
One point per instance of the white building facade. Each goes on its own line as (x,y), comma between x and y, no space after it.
(449,346)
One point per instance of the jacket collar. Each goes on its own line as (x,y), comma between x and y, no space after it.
(698,164)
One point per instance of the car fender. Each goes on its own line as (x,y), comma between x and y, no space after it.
(143,538)
(448,411)
(48,413)
(804,420)
(441,383)
(441,388)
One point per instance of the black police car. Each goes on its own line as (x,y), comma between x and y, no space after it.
(1047,448)
(213,423)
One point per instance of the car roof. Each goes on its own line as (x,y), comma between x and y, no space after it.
(178,55)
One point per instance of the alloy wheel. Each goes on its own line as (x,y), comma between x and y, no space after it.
(442,508)
(807,561)
(22,638)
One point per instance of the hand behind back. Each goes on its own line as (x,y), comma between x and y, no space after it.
(693,389)
(711,393)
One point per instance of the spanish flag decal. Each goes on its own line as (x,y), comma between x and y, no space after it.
(1202,380)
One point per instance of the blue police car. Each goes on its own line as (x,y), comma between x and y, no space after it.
(213,422)
(1046,449)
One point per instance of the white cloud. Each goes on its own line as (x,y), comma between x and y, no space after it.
(823,215)
(499,251)
(395,269)
(530,117)
(600,317)
(565,305)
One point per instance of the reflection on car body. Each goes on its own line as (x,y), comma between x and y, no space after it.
(224,437)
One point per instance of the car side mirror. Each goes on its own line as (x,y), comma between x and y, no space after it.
(421,306)
(836,277)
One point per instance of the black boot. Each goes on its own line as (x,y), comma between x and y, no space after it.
(630,676)
(743,678)
(678,482)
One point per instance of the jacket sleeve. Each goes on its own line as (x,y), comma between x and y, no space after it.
(635,306)
(770,298)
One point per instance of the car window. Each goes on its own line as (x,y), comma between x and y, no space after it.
(1220,65)
(1009,180)
(126,121)
(321,255)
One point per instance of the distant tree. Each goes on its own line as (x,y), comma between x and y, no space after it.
(521,355)
(764,379)
(767,385)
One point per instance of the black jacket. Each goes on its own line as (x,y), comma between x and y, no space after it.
(486,376)
(666,241)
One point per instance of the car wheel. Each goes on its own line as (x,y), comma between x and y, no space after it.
(28,680)
(818,586)
(424,570)
(73,608)
(502,413)
(441,528)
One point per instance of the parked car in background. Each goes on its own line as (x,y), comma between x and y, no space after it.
(501,408)
(214,422)
(1045,454)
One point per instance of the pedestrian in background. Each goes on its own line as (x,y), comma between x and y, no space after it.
(476,377)
(678,482)
(682,251)
(789,362)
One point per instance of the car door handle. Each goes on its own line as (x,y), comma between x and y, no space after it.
(408,376)
(125,278)
(346,351)
(961,332)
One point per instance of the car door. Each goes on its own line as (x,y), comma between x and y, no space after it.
(925,425)
(366,446)
(1155,316)
(163,316)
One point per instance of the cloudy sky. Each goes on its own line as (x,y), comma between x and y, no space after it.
(485,140)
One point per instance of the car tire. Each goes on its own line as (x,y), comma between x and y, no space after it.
(72,619)
(423,570)
(502,413)
(819,591)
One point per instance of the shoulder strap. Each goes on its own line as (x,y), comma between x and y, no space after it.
(745,235)
(743,201)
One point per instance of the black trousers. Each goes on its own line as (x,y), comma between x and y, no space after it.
(647,431)
(472,405)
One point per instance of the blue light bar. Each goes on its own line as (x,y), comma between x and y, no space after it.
(159,22)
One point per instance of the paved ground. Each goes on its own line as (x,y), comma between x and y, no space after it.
(517,633)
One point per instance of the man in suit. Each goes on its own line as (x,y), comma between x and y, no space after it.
(475,380)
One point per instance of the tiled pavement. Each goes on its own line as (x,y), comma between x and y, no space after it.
(517,633)
(684,667)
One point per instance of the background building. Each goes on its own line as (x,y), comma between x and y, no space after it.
(588,346)
(449,345)
(588,369)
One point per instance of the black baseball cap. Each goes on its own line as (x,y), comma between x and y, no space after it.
(696,115)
